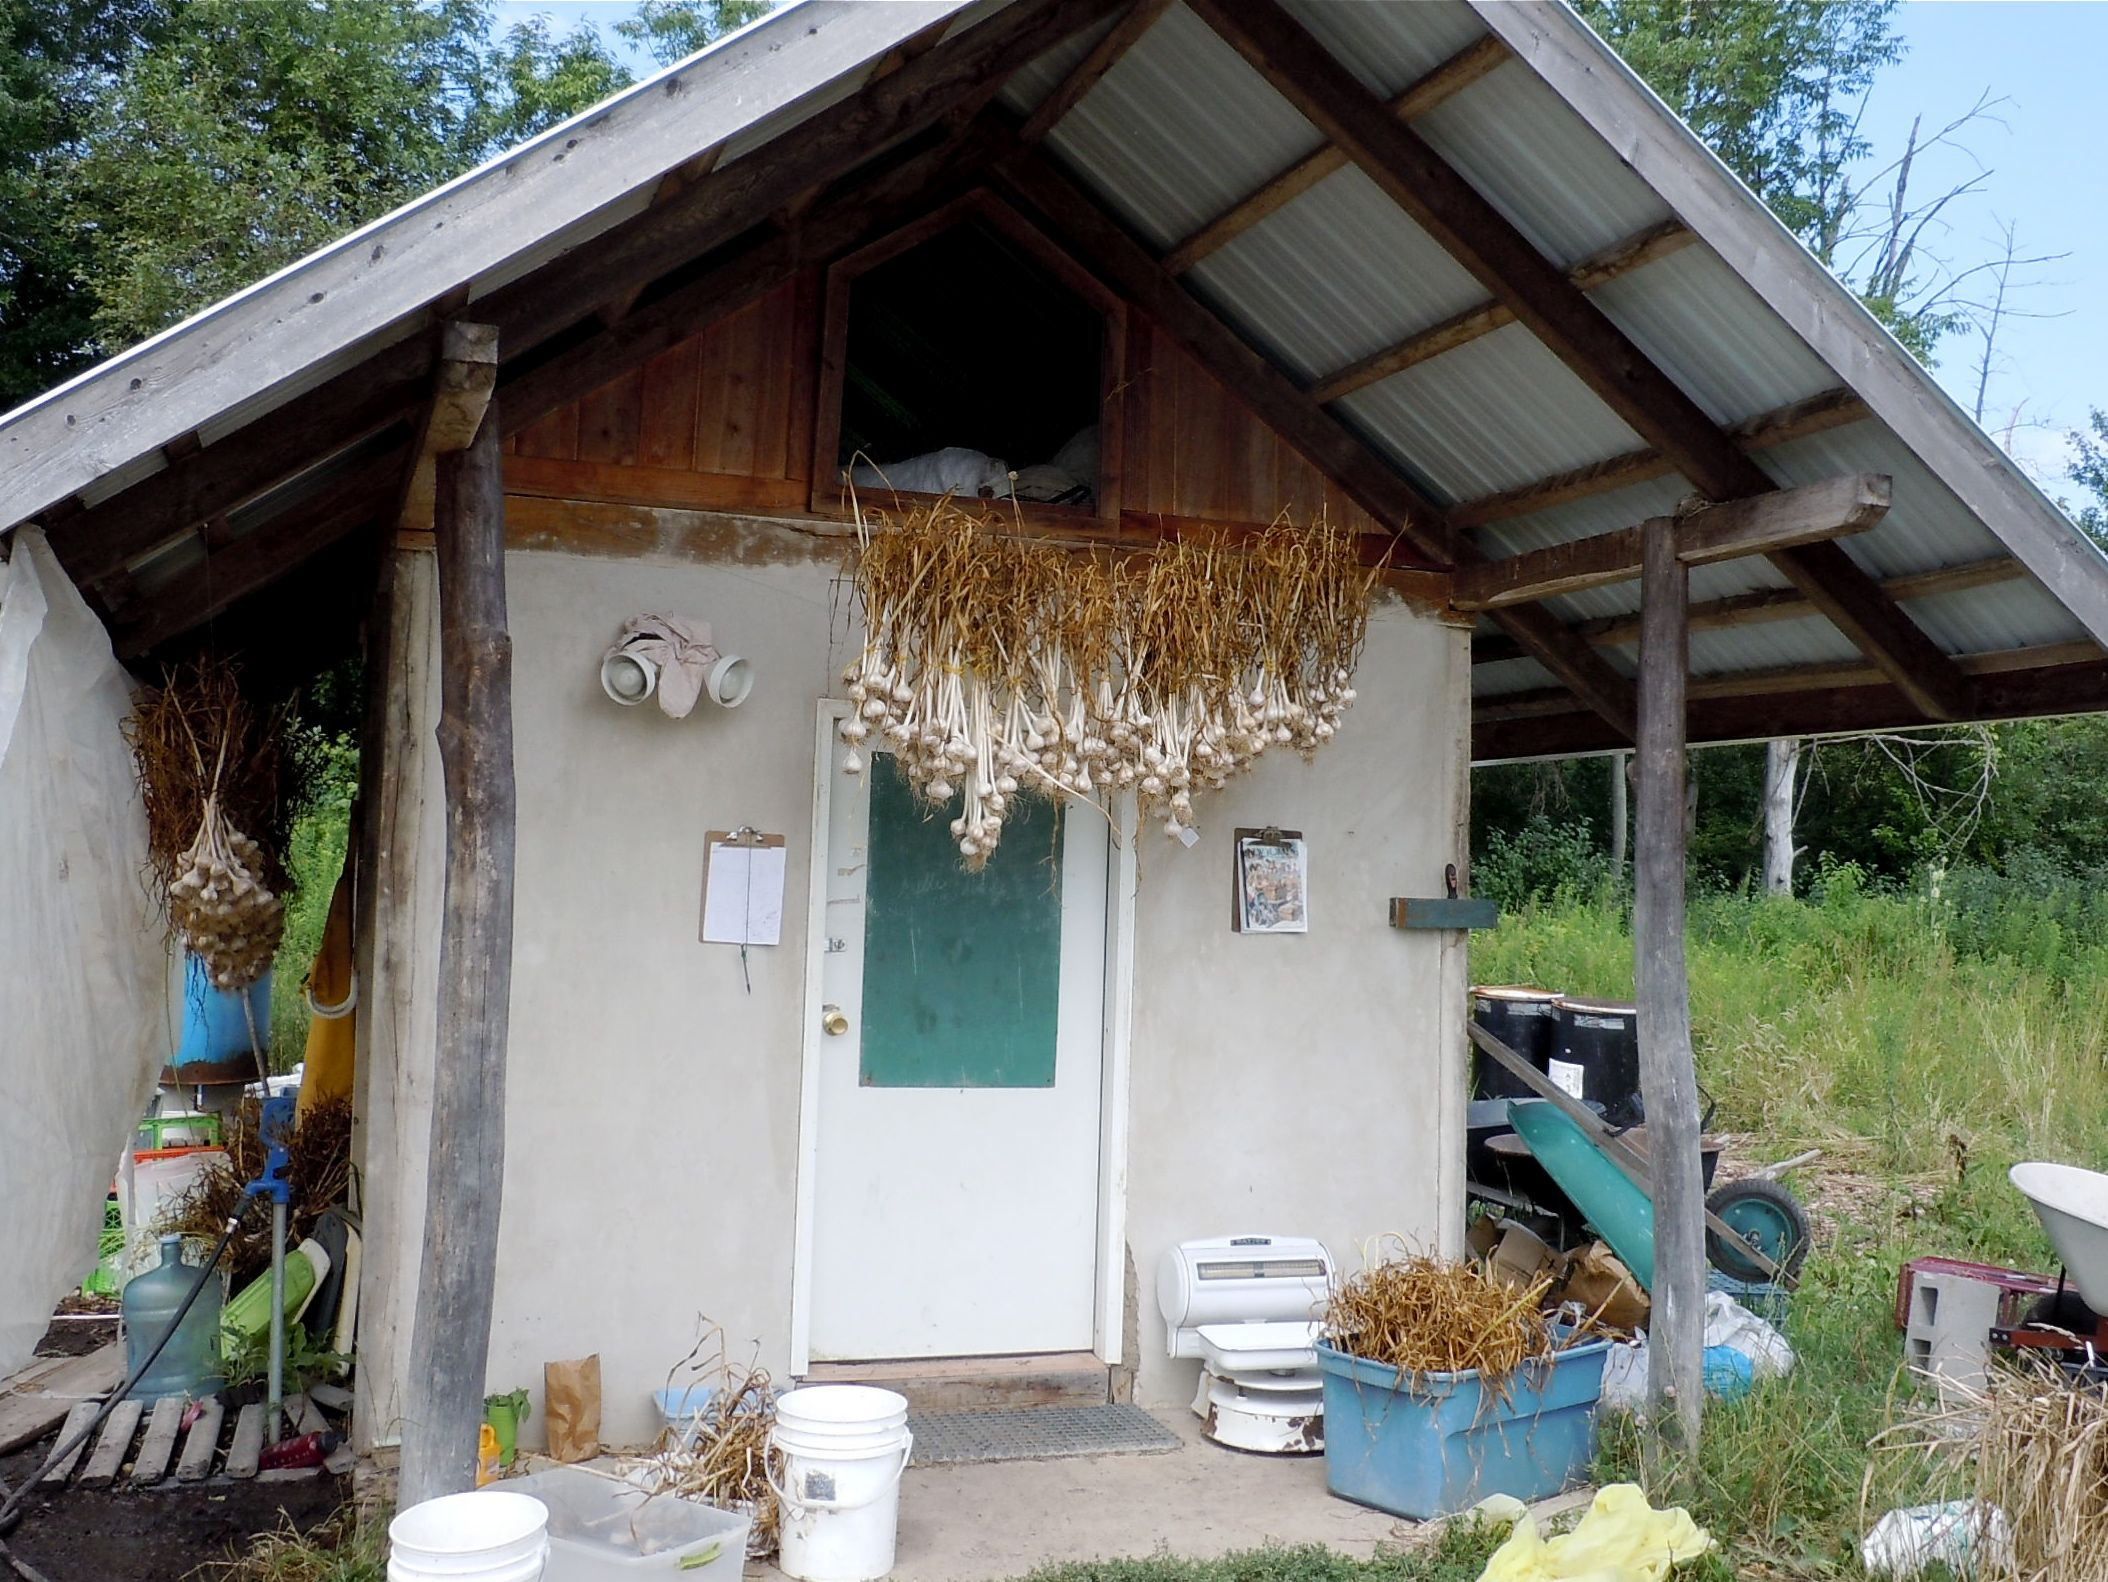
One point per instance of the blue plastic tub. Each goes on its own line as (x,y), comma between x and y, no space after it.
(1443,1443)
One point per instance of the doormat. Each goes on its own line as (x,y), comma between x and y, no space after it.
(1036,1433)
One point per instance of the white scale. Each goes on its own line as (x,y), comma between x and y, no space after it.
(1248,1307)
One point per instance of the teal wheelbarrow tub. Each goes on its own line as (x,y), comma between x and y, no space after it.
(1608,1198)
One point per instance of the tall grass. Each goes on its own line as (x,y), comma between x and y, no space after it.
(1925,1041)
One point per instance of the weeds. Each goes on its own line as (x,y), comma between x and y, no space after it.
(342,1549)
(1457,1554)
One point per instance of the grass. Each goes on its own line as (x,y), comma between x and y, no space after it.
(1458,1554)
(1924,1049)
(342,1549)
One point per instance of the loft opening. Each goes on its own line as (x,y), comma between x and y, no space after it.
(973,358)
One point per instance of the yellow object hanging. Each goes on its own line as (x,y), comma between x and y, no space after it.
(1620,1539)
(332,999)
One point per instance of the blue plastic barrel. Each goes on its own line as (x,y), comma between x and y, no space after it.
(214,1029)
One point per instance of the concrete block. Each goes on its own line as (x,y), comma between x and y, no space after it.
(1948,1336)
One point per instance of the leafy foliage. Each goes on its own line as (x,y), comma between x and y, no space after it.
(156,155)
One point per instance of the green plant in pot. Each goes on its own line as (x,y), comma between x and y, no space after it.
(505,1413)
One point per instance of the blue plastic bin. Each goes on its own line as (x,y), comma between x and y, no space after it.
(1443,1443)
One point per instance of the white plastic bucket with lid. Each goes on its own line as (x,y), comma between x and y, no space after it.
(843,1448)
(483,1536)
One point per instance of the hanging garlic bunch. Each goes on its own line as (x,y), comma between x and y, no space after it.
(996,668)
(225,913)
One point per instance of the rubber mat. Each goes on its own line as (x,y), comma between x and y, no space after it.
(1036,1433)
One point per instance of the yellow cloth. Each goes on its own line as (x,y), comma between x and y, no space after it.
(1620,1539)
(331,1040)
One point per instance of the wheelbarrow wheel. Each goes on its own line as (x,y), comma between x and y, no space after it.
(1763,1215)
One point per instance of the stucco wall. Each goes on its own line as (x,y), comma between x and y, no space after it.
(652,1116)
(1307,1084)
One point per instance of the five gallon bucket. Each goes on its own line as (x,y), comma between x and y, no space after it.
(1524,1019)
(479,1537)
(1596,1057)
(842,1449)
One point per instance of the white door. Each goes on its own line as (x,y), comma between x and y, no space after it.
(955,1176)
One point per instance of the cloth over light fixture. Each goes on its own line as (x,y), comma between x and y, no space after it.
(673,657)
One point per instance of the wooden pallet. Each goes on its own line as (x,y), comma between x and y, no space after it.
(138,1446)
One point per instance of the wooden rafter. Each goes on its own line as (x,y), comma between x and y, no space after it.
(202,591)
(1484,241)
(1736,528)
(1816,415)
(744,193)
(1103,56)
(1770,604)
(1621,258)
(1329,446)
(1454,75)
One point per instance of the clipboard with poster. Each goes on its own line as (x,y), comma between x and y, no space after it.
(743,872)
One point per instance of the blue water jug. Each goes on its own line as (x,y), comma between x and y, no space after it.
(190,1363)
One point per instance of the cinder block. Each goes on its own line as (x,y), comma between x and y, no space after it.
(1948,1337)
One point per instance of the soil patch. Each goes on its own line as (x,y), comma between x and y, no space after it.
(160,1534)
(76,1336)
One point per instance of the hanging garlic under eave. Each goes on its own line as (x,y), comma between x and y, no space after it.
(997,668)
(224,912)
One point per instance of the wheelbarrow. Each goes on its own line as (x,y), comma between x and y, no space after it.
(1755,1229)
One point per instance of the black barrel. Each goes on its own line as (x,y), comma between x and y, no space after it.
(1596,1057)
(1522,1018)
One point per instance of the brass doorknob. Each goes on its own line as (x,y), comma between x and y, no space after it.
(832,1019)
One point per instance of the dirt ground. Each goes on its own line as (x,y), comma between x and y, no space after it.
(160,1534)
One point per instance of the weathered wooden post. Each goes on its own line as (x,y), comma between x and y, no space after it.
(465,1169)
(1668,1072)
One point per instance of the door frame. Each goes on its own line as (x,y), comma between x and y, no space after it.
(1109,1298)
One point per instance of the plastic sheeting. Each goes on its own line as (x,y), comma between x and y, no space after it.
(83,999)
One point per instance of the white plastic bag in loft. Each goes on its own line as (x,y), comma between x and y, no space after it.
(83,963)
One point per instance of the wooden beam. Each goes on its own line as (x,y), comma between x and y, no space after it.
(1505,261)
(737,196)
(210,481)
(1657,241)
(1104,55)
(1763,605)
(1832,582)
(266,552)
(1825,707)
(1816,415)
(1483,240)
(465,1161)
(466,378)
(1668,1069)
(1454,75)
(1770,680)
(1320,438)
(1736,528)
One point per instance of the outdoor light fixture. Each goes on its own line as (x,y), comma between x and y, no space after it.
(672,657)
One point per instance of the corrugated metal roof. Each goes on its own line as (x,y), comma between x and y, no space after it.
(1181,129)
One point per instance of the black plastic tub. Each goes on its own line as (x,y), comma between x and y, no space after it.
(1524,1019)
(1596,1057)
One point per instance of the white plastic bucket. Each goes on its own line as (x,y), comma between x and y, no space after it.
(843,1448)
(483,1536)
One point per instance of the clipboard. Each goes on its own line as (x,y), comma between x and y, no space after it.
(743,872)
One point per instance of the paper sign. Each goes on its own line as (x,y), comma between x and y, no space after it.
(743,890)
(1568,1075)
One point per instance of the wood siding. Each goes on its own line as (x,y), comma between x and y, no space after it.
(725,421)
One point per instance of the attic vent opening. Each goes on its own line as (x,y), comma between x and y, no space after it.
(965,362)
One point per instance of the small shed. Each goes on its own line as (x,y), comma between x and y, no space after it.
(1444,271)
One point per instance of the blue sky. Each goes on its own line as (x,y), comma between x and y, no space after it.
(2042,153)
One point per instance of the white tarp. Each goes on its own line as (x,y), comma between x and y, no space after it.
(83,1004)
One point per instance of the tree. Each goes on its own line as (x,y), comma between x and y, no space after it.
(56,58)
(671,30)
(2089,469)
(156,155)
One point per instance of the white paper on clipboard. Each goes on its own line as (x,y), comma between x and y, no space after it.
(743,890)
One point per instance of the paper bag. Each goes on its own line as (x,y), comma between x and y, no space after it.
(1603,1286)
(571,1408)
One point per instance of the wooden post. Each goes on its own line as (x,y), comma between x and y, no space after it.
(450,1333)
(1668,1074)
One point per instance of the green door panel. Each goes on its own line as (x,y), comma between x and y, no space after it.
(962,971)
